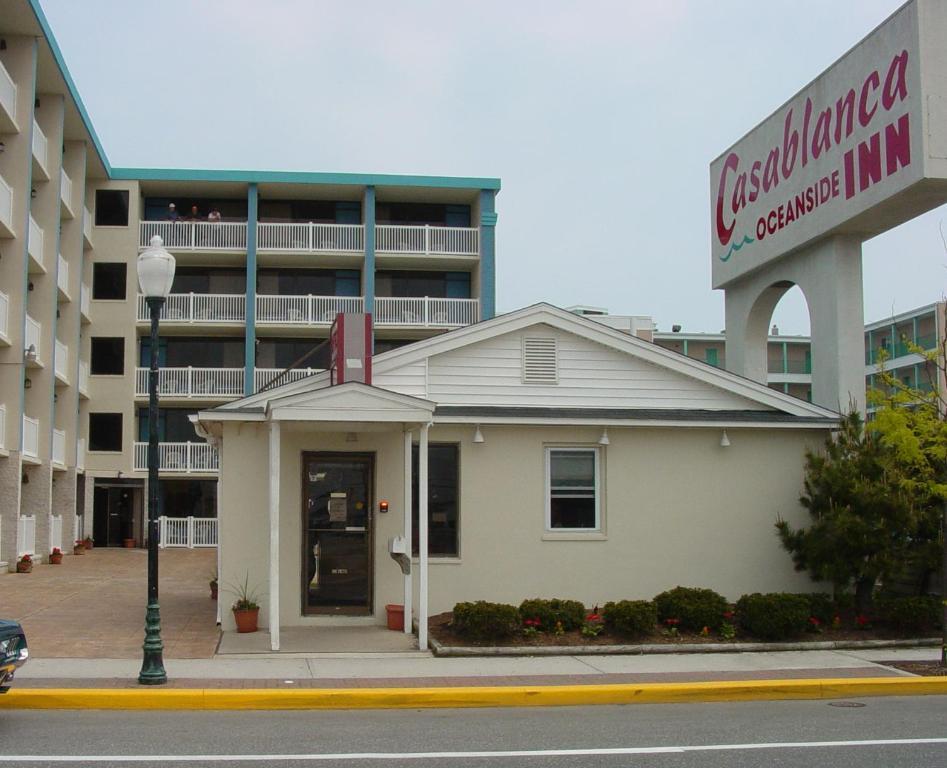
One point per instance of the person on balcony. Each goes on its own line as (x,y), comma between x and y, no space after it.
(214,215)
(173,213)
(195,215)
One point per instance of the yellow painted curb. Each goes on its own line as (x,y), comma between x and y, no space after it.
(480,696)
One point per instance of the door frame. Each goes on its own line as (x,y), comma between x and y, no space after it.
(369,458)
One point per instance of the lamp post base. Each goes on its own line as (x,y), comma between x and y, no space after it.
(152,665)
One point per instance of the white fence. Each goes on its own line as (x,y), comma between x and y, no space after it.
(30,437)
(426,311)
(61,364)
(26,536)
(65,191)
(310,237)
(198,307)
(264,376)
(4,315)
(179,457)
(62,276)
(195,235)
(193,382)
(41,148)
(59,447)
(6,204)
(187,532)
(55,532)
(35,244)
(87,228)
(305,310)
(397,238)
(34,334)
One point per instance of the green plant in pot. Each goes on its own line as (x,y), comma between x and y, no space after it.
(246,609)
(213,587)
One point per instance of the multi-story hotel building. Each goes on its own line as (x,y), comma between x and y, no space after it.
(265,261)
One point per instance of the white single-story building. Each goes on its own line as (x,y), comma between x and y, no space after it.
(565,459)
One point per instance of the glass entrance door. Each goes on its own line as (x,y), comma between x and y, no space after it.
(337,533)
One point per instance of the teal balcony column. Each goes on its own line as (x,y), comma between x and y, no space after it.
(249,354)
(488,282)
(368,273)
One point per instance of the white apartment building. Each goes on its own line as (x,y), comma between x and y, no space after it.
(265,261)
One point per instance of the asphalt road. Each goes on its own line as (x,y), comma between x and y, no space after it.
(889,732)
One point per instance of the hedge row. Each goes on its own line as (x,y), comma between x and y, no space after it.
(773,616)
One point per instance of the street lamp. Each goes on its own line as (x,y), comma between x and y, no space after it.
(155,275)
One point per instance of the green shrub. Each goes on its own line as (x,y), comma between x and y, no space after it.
(632,618)
(485,621)
(694,608)
(774,616)
(910,614)
(570,612)
(822,607)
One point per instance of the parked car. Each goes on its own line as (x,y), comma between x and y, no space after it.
(13,652)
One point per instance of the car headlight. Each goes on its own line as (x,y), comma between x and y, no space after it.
(24,654)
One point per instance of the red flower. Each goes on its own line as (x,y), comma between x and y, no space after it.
(672,622)
(728,615)
(57,551)
(593,617)
(862,620)
(531,622)
(814,621)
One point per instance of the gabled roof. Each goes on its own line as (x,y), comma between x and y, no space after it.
(758,394)
(350,402)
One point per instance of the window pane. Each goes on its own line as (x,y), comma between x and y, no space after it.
(108,356)
(111,207)
(572,512)
(572,469)
(105,431)
(442,505)
(108,280)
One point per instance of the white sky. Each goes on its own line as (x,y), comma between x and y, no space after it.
(601,119)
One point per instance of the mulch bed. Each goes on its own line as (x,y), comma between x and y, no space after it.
(922,668)
(439,627)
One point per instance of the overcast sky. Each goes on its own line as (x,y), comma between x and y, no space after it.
(601,119)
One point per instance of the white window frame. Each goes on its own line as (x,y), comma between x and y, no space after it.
(597,458)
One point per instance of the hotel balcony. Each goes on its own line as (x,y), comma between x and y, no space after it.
(65,196)
(61,363)
(80,455)
(4,320)
(83,380)
(32,344)
(40,153)
(85,312)
(59,449)
(86,229)
(200,308)
(35,248)
(6,209)
(62,279)
(3,430)
(7,102)
(268,378)
(304,310)
(193,383)
(30,439)
(310,237)
(184,458)
(427,240)
(425,312)
(200,236)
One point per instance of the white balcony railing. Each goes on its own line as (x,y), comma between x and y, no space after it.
(83,377)
(187,532)
(6,206)
(34,334)
(193,382)
(65,191)
(59,447)
(198,308)
(61,363)
(179,457)
(55,532)
(41,148)
(3,426)
(80,453)
(26,536)
(311,237)
(427,240)
(35,245)
(30,437)
(84,301)
(305,310)
(4,316)
(195,235)
(62,276)
(7,94)
(268,376)
(87,227)
(426,311)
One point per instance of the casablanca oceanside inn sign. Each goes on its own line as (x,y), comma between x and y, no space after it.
(858,151)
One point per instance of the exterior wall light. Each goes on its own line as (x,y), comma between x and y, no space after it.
(724,440)
(603,440)
(478,436)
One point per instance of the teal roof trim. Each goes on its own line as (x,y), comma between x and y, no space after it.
(303,177)
(64,70)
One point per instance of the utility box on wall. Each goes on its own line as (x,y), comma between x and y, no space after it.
(351,344)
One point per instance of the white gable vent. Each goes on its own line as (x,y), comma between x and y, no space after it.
(540,360)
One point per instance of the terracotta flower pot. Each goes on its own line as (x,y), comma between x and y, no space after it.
(55,558)
(88,544)
(395,616)
(128,543)
(78,549)
(24,567)
(246,620)
(213,591)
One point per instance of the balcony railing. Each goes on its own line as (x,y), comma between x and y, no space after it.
(198,308)
(87,228)
(80,453)
(59,447)
(207,383)
(34,334)
(62,277)
(6,207)
(61,363)
(84,308)
(41,149)
(4,316)
(187,532)
(195,235)
(35,245)
(427,240)
(7,95)
(3,426)
(83,378)
(179,457)
(426,311)
(275,377)
(305,310)
(311,237)
(30,437)
(65,191)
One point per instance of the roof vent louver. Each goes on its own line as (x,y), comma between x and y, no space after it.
(540,360)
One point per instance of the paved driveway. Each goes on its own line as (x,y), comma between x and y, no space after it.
(93,605)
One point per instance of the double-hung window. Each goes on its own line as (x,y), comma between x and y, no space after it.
(573,489)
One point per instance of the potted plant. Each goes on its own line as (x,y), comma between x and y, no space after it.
(78,547)
(128,543)
(24,564)
(213,587)
(55,557)
(245,608)
(88,542)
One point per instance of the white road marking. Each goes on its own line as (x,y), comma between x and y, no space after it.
(352,756)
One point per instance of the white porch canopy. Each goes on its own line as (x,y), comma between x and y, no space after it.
(341,407)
